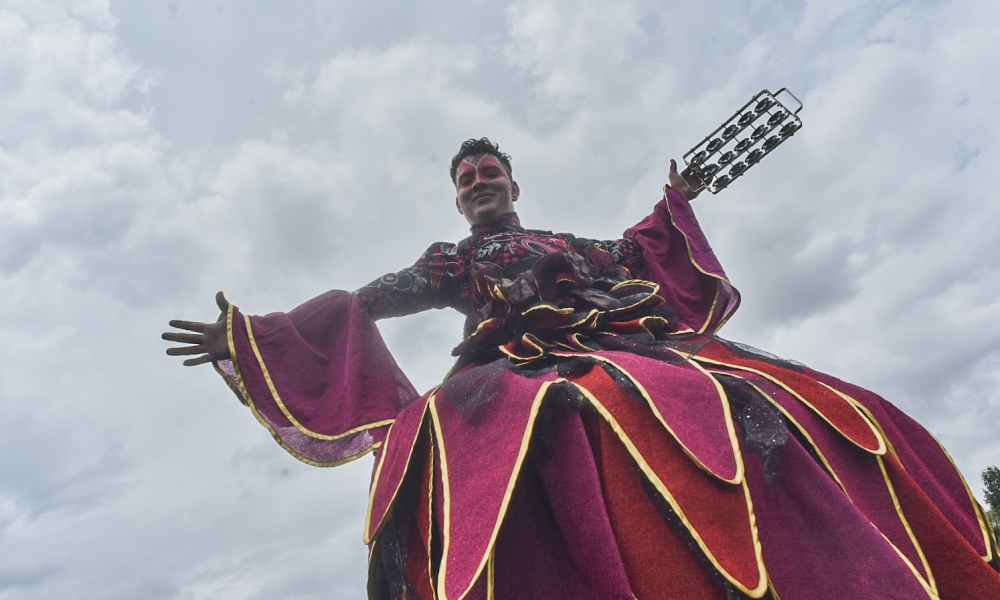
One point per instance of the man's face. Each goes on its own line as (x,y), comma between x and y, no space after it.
(484,191)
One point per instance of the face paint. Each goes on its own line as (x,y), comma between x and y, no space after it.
(483,189)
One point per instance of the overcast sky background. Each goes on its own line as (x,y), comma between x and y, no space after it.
(152,153)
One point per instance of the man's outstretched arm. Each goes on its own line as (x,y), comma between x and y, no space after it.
(318,377)
(209,340)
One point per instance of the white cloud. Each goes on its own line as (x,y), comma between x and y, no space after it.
(573,48)
(74,161)
(865,246)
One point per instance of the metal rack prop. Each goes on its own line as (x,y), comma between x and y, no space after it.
(741,141)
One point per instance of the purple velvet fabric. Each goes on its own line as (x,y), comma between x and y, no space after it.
(320,377)
(533,560)
(572,486)
(924,460)
(692,406)
(677,256)
(556,541)
(816,543)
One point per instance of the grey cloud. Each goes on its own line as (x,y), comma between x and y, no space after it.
(139,179)
(25,577)
(49,481)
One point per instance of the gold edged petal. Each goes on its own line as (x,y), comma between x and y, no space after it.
(505,502)
(370,535)
(730,427)
(762,578)
(882,445)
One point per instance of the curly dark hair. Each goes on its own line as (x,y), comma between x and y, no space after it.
(481,146)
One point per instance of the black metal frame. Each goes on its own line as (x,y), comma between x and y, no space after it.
(745,138)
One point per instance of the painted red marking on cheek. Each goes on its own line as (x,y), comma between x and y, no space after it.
(482,168)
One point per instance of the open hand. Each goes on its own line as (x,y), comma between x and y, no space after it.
(210,341)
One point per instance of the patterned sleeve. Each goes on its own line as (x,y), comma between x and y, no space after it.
(624,252)
(436,280)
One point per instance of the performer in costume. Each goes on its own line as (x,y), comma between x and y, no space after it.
(596,439)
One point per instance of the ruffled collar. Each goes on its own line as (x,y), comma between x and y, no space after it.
(506,223)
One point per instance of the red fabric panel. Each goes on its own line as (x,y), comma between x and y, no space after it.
(691,405)
(716,511)
(924,460)
(959,571)
(827,403)
(659,564)
(418,556)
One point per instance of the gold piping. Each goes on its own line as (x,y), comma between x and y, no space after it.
(430,519)
(881,441)
(651,476)
(734,444)
(491,576)
(281,405)
(522,452)
(376,478)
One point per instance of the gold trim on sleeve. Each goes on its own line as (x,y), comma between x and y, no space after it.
(687,244)
(265,423)
(284,409)
(238,387)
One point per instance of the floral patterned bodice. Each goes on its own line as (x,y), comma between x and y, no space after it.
(444,274)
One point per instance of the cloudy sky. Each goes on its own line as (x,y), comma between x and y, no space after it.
(152,153)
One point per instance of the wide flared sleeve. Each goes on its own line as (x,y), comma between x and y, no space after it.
(677,256)
(319,378)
